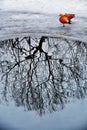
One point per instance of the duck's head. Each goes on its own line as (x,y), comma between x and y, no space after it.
(61,14)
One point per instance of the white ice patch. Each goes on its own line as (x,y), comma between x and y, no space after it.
(46,6)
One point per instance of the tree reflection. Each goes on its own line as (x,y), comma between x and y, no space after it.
(43,75)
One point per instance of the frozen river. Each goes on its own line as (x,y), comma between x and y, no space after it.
(41,17)
(35,17)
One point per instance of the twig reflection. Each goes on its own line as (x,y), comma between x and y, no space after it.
(44,75)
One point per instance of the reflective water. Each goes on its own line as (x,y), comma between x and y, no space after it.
(42,76)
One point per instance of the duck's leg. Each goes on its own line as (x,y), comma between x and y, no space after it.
(63,25)
(70,22)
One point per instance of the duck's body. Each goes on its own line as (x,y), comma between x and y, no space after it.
(64,20)
(70,16)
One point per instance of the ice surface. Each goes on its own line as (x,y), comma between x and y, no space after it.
(41,16)
(47,6)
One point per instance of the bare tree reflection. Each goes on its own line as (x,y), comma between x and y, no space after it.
(43,75)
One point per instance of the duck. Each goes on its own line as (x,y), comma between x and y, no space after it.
(64,19)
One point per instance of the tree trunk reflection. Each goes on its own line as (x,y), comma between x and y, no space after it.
(43,75)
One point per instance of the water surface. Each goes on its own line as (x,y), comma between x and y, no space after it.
(43,110)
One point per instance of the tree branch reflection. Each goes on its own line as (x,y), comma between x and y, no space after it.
(43,75)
